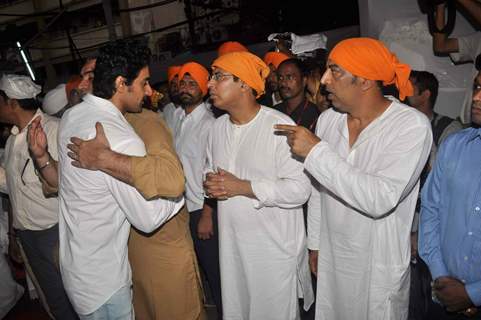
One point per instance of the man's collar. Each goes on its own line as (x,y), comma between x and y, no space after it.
(15,130)
(198,111)
(101,102)
(476,132)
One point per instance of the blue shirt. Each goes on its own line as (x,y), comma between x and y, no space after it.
(450,222)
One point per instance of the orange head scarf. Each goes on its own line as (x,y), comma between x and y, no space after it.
(275,58)
(231,46)
(198,73)
(370,59)
(172,71)
(72,83)
(247,67)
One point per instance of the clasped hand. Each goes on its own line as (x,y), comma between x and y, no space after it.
(222,185)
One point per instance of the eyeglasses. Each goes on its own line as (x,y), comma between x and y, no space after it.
(217,76)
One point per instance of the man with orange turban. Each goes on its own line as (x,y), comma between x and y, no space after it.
(272,96)
(195,123)
(231,46)
(169,111)
(262,242)
(367,157)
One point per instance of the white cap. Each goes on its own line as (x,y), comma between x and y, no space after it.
(55,100)
(19,87)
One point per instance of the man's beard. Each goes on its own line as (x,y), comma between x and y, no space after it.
(176,99)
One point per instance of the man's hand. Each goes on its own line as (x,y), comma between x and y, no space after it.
(300,139)
(452,294)
(205,227)
(37,140)
(90,154)
(313,255)
(224,185)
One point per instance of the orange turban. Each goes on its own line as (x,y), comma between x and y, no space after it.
(172,71)
(275,58)
(231,46)
(370,59)
(72,83)
(247,67)
(198,72)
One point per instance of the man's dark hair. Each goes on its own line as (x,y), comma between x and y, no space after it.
(119,58)
(426,81)
(25,104)
(299,64)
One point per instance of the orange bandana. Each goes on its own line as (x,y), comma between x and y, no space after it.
(275,58)
(198,73)
(247,67)
(72,83)
(172,71)
(370,59)
(231,46)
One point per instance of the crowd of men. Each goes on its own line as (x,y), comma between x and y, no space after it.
(258,174)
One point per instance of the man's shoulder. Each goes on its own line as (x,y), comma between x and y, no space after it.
(148,124)
(274,116)
(208,115)
(329,116)
(49,122)
(460,136)
(143,115)
(80,121)
(405,116)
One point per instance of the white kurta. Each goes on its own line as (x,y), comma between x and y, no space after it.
(97,210)
(360,221)
(263,254)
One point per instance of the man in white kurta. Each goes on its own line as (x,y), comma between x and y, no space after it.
(261,187)
(367,160)
(96,209)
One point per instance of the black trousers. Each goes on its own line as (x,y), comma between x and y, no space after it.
(208,256)
(41,248)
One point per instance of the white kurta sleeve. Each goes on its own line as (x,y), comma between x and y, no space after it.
(208,163)
(378,192)
(145,215)
(291,188)
(51,131)
(314,217)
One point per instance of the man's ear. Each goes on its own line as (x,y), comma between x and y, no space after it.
(426,94)
(120,85)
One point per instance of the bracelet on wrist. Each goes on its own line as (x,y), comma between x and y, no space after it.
(46,164)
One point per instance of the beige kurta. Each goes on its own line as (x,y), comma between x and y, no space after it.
(166,282)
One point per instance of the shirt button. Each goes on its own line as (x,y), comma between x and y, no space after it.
(477,208)
(463,281)
(470,233)
(465,258)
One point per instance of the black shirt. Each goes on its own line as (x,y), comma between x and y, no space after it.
(305,114)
